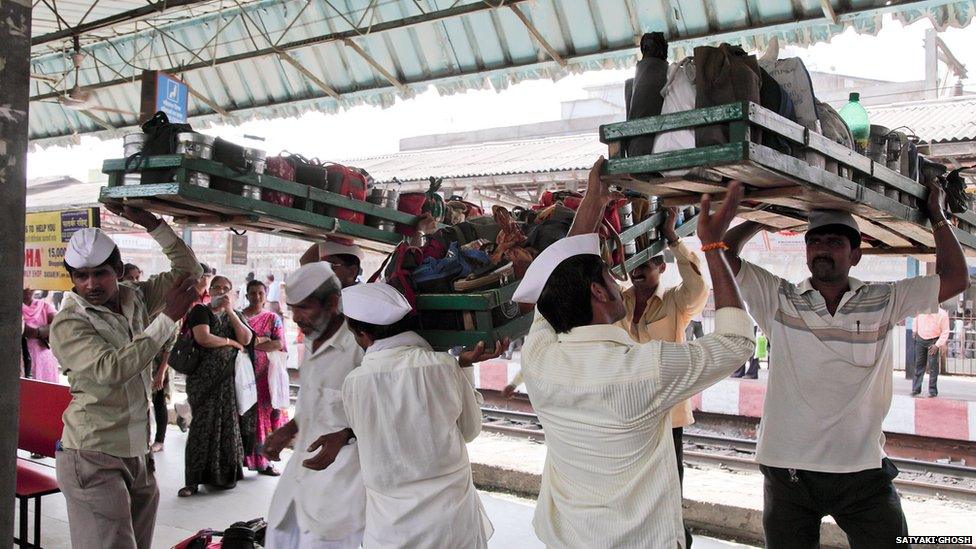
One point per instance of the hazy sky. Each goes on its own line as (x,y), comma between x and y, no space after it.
(896,54)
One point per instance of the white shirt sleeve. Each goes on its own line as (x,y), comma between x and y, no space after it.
(688,368)
(913,296)
(471,400)
(760,291)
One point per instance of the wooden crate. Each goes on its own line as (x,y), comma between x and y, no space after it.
(780,188)
(475,310)
(199,205)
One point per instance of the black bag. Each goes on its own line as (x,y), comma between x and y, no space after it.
(245,535)
(230,155)
(185,355)
(649,79)
(160,139)
(773,97)
(547,232)
(726,74)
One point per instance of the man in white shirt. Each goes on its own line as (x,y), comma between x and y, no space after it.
(419,489)
(609,479)
(274,294)
(820,441)
(342,255)
(320,501)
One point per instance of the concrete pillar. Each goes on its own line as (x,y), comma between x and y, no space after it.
(15,23)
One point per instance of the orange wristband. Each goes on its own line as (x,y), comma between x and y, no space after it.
(714,246)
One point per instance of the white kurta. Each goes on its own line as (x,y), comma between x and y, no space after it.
(412,410)
(609,479)
(332,503)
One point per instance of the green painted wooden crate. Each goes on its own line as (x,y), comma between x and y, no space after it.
(780,187)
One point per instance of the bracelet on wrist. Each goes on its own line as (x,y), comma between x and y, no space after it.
(714,246)
(938,225)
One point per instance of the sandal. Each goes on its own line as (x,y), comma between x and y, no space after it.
(187,491)
(269,471)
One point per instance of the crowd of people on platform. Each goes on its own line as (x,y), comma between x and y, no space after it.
(608,372)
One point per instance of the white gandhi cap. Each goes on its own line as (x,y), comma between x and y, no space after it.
(331,247)
(88,248)
(375,303)
(305,280)
(542,266)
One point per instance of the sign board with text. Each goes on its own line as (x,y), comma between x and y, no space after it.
(164,92)
(46,235)
(237,250)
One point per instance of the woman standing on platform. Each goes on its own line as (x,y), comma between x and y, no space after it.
(38,315)
(269,336)
(213,448)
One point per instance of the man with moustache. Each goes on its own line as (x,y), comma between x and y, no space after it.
(821,447)
(106,343)
(320,501)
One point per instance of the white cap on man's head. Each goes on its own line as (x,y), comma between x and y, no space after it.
(541,269)
(306,279)
(823,218)
(332,247)
(375,303)
(88,248)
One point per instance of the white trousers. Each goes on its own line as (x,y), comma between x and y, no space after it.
(288,535)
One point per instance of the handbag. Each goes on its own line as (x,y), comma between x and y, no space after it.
(726,74)
(278,381)
(184,357)
(245,385)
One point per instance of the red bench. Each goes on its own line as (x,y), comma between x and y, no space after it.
(41,406)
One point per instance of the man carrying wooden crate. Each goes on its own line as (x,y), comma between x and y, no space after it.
(604,400)
(821,447)
(106,343)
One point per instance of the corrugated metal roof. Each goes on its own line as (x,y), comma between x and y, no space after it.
(418,42)
(934,121)
(548,154)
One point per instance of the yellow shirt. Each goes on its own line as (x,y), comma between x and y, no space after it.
(668,313)
(108,357)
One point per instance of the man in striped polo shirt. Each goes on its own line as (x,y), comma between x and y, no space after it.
(821,447)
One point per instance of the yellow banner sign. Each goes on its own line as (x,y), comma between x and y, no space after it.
(46,235)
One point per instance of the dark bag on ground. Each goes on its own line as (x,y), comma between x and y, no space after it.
(726,74)
(160,139)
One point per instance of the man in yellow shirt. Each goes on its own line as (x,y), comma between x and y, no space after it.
(655,313)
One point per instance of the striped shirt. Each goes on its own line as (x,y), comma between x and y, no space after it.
(609,479)
(829,384)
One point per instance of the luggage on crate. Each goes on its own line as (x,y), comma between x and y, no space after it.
(649,79)
(509,235)
(310,172)
(491,276)
(397,268)
(429,201)
(773,97)
(280,167)
(233,156)
(958,199)
(161,138)
(723,74)
(834,128)
(679,95)
(349,182)
(458,210)
(794,79)
(438,275)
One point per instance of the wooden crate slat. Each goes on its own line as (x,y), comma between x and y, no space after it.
(686,119)
(713,155)
(778,124)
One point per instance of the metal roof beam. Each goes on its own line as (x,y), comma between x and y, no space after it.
(406,22)
(828,12)
(329,90)
(538,36)
(121,17)
(376,65)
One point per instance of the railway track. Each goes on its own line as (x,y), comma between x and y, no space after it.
(739,453)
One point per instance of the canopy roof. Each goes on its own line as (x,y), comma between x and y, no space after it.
(269,58)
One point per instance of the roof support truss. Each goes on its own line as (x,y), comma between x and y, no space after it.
(376,65)
(538,36)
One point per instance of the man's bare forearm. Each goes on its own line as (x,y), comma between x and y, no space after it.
(723,281)
(735,239)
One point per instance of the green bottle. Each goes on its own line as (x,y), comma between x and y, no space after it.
(856,119)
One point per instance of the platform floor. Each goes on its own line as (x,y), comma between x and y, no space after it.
(179,518)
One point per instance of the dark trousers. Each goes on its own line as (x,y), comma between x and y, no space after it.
(679,452)
(923,359)
(864,504)
(161,414)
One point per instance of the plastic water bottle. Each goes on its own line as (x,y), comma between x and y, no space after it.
(856,119)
